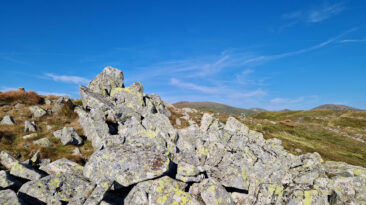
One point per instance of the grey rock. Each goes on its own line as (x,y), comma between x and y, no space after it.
(7,160)
(18,106)
(30,126)
(164,190)
(76,152)
(211,192)
(25,171)
(58,187)
(68,135)
(126,164)
(7,120)
(98,193)
(107,80)
(30,136)
(63,102)
(49,127)
(7,181)
(9,197)
(43,142)
(64,166)
(37,111)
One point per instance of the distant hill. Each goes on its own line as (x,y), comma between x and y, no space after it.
(217,107)
(335,107)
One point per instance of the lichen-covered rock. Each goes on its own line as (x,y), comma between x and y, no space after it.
(37,111)
(64,166)
(108,79)
(126,164)
(98,193)
(7,120)
(57,188)
(43,142)
(9,197)
(30,126)
(7,181)
(7,160)
(68,135)
(63,102)
(164,190)
(25,171)
(211,192)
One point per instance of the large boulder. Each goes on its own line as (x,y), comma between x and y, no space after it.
(57,188)
(68,135)
(7,120)
(62,166)
(126,164)
(25,171)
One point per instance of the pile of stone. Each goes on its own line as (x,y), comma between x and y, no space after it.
(139,158)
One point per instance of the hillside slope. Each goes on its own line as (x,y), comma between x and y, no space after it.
(217,107)
(335,107)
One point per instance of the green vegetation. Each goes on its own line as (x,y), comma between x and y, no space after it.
(217,108)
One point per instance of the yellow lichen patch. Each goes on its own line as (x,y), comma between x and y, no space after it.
(309,196)
(116,90)
(203,151)
(148,133)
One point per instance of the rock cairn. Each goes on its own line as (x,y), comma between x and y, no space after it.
(139,158)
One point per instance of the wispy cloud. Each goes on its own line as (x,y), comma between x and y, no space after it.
(192,86)
(316,15)
(67,78)
(352,40)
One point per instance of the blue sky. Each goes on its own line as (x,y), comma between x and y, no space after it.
(270,54)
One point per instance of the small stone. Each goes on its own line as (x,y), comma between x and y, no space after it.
(7,120)
(18,106)
(76,152)
(298,150)
(30,136)
(49,127)
(30,126)
(43,142)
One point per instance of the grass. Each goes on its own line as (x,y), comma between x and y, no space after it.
(11,135)
(19,96)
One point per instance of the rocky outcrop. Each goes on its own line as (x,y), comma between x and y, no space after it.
(139,158)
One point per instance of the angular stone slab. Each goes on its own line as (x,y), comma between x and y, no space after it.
(126,164)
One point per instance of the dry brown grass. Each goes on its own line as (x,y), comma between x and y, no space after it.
(19,96)
(11,136)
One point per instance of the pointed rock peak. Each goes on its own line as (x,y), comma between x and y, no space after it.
(137,86)
(108,79)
